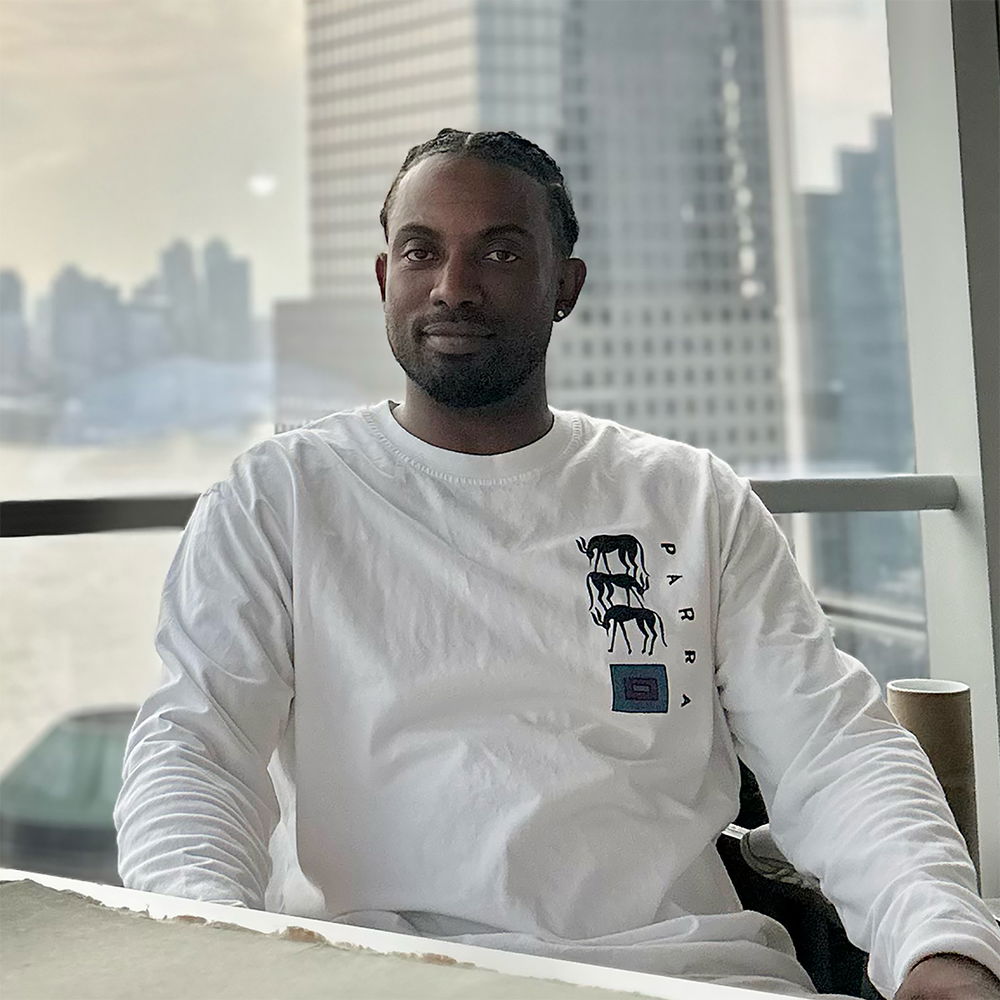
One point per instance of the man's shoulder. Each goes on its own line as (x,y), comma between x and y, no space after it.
(621,442)
(285,455)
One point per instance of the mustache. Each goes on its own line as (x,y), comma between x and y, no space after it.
(470,318)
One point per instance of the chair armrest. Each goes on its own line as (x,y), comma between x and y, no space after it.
(762,856)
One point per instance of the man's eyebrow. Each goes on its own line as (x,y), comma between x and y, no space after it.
(414,230)
(505,230)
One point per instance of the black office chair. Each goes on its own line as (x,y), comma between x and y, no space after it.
(767,883)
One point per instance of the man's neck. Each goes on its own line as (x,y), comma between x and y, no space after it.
(474,432)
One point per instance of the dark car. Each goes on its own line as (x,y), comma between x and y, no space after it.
(56,801)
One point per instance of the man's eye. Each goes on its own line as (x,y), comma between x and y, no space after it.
(503,256)
(414,254)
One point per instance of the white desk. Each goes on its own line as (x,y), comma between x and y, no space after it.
(113,949)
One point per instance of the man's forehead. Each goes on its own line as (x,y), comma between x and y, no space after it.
(465,194)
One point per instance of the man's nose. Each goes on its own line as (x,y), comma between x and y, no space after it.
(458,283)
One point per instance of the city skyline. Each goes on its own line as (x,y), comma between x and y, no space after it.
(214,254)
(78,149)
(90,365)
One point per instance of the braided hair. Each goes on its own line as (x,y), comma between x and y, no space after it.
(505,149)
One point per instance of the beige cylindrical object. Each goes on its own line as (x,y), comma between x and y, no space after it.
(939,714)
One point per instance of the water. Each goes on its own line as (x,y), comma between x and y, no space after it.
(78,612)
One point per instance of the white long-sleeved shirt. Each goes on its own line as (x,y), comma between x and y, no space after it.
(500,698)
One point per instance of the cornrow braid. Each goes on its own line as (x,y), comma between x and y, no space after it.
(505,149)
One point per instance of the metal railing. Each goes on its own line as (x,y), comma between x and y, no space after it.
(85,515)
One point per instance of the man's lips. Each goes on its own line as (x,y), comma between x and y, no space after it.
(445,337)
(441,328)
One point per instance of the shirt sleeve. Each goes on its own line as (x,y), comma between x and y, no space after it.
(197,805)
(851,797)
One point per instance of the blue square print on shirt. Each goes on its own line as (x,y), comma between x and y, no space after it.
(639,687)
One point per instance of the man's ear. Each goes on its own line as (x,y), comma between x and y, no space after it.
(572,275)
(380,265)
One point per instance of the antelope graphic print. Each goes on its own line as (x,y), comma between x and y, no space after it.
(617,576)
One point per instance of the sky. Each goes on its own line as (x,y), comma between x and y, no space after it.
(839,75)
(125,124)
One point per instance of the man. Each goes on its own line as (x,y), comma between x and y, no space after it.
(505,657)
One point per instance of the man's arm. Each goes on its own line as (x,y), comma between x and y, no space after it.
(852,798)
(197,805)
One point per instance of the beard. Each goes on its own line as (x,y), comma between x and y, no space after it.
(468,381)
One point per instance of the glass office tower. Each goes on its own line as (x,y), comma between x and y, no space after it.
(657,113)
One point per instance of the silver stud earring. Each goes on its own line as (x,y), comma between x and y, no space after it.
(560,313)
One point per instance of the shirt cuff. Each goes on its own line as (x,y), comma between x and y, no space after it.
(969,942)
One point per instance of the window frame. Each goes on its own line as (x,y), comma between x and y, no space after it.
(945,85)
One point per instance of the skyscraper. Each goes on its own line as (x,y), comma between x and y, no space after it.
(862,411)
(179,282)
(664,142)
(657,113)
(229,334)
(11,294)
(859,415)
(89,331)
(25,405)
(14,344)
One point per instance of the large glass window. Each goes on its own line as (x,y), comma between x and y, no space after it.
(190,197)
(152,190)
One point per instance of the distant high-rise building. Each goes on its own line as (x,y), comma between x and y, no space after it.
(860,390)
(15,357)
(179,282)
(859,416)
(150,292)
(11,294)
(229,332)
(657,113)
(380,80)
(89,330)
(149,333)
(149,322)
(26,407)
(664,141)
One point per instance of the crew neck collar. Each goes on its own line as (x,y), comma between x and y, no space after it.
(565,430)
